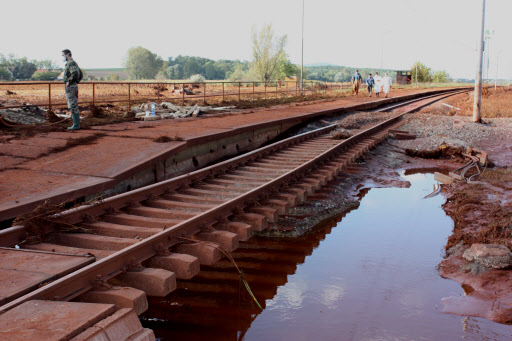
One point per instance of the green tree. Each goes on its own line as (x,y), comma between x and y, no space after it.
(420,73)
(267,52)
(190,68)
(45,76)
(210,70)
(5,75)
(142,63)
(289,69)
(46,64)
(24,70)
(175,72)
(440,77)
(339,77)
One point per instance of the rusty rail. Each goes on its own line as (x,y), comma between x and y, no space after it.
(84,279)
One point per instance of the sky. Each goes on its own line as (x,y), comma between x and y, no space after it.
(443,34)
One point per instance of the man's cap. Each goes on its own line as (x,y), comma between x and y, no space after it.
(66,51)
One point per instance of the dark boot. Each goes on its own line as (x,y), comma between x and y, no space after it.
(76,121)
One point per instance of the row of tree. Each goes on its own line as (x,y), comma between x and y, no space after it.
(12,67)
(269,62)
(422,74)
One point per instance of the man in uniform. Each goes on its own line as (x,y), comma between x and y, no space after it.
(72,76)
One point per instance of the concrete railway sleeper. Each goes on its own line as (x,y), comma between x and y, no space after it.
(136,237)
(224,203)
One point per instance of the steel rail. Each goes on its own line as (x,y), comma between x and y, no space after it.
(87,278)
(14,235)
(84,279)
(448,93)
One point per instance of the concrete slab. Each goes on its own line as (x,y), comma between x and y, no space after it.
(185,131)
(51,321)
(11,161)
(11,149)
(26,188)
(116,156)
(41,141)
(70,134)
(22,270)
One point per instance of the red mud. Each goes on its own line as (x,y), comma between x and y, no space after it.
(123,147)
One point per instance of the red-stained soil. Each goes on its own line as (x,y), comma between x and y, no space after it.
(122,147)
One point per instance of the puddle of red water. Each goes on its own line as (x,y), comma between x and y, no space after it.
(370,276)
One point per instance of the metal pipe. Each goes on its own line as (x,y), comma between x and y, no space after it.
(49,96)
(129,97)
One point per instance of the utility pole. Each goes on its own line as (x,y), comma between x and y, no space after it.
(302,54)
(477,104)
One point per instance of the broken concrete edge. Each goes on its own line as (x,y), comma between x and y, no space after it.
(122,325)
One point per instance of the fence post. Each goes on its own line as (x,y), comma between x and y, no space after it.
(204,93)
(129,96)
(93,102)
(183,94)
(158,87)
(239,91)
(253,94)
(50,96)
(265,98)
(222,91)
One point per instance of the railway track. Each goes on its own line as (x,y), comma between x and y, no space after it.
(170,226)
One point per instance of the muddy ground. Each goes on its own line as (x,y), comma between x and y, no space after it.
(482,211)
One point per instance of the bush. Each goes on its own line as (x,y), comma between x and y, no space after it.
(197,79)
(45,76)
(113,77)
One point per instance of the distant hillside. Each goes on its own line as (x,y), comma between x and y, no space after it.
(102,74)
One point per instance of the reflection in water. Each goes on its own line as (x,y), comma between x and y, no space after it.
(373,277)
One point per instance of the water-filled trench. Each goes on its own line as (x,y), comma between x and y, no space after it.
(367,275)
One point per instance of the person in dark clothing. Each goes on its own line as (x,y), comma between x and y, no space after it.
(370,82)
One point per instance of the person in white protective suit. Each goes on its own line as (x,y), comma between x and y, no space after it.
(387,84)
(378,84)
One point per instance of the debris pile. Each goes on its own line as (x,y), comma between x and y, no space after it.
(167,110)
(27,115)
(489,255)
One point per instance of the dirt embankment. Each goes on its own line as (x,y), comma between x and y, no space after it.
(482,211)
(482,214)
